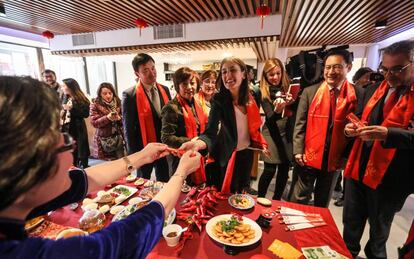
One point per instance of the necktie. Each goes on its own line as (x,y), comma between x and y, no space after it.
(390,103)
(333,94)
(155,100)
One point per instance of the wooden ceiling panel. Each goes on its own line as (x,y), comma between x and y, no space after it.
(327,22)
(259,44)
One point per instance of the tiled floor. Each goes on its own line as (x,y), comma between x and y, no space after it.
(399,229)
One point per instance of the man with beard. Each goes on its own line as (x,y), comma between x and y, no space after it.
(380,178)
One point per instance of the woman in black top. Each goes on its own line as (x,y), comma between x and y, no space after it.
(75,110)
(274,86)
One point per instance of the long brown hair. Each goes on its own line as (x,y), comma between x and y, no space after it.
(264,83)
(111,88)
(244,87)
(77,93)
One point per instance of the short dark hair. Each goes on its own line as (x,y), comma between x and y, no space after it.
(49,71)
(141,59)
(29,117)
(405,47)
(244,87)
(346,55)
(183,74)
(360,73)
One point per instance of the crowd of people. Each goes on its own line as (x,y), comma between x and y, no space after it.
(221,120)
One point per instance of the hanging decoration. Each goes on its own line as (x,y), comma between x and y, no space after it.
(141,24)
(263,10)
(49,35)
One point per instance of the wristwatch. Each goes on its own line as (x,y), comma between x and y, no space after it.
(128,165)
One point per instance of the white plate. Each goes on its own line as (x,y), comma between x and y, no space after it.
(132,191)
(212,222)
(237,206)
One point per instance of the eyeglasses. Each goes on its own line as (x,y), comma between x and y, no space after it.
(335,67)
(68,143)
(393,70)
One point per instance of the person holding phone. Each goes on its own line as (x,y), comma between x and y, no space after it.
(105,112)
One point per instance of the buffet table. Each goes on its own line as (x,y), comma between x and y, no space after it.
(202,246)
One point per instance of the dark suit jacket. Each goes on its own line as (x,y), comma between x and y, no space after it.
(306,99)
(399,138)
(399,176)
(221,142)
(132,130)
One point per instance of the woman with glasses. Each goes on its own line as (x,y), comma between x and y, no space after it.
(274,85)
(183,118)
(235,109)
(207,90)
(106,113)
(75,110)
(35,179)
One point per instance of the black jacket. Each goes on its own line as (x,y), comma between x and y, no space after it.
(132,130)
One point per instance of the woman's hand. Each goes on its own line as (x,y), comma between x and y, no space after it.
(289,99)
(189,162)
(279,104)
(194,145)
(153,151)
(68,106)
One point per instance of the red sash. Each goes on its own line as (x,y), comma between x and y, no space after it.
(380,158)
(202,100)
(146,121)
(254,122)
(317,126)
(198,176)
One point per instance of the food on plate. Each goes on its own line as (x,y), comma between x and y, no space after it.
(71,232)
(172,234)
(158,185)
(120,198)
(31,223)
(233,231)
(90,206)
(128,210)
(149,193)
(91,221)
(104,209)
(121,190)
(86,201)
(264,201)
(139,181)
(134,201)
(149,183)
(105,198)
(241,201)
(100,193)
(115,209)
(131,178)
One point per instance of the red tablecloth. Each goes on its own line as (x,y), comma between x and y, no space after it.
(202,246)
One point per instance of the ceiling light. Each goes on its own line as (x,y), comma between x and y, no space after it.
(380,24)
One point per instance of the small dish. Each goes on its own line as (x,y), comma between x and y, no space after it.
(241,201)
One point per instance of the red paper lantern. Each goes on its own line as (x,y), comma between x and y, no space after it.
(262,11)
(48,34)
(141,24)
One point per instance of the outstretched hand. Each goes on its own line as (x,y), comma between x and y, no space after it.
(154,151)
(189,162)
(375,132)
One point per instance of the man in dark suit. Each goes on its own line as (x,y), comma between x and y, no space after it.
(318,140)
(141,113)
(381,178)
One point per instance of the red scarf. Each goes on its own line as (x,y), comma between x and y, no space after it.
(317,126)
(254,122)
(198,176)
(380,158)
(145,118)
(202,100)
